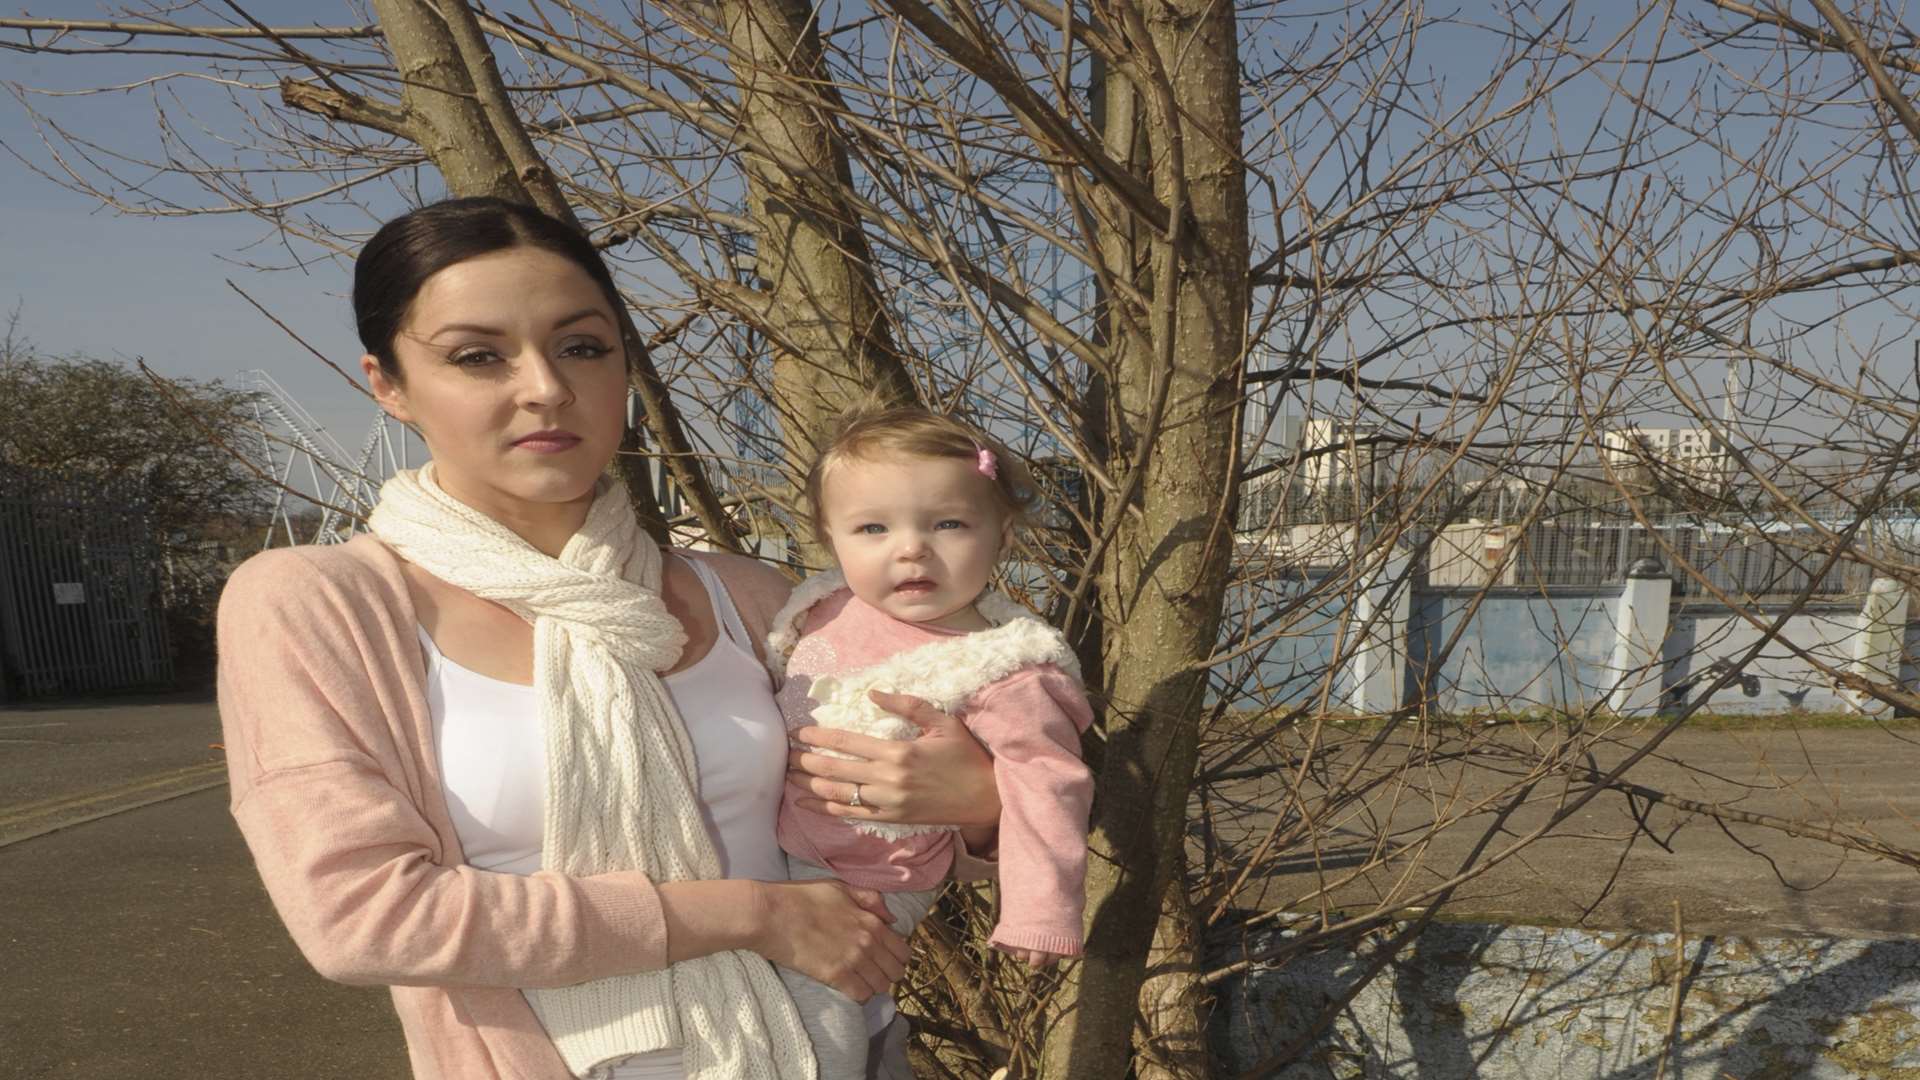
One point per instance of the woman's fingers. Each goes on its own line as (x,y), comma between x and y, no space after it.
(831,808)
(829,768)
(872,901)
(830,931)
(944,777)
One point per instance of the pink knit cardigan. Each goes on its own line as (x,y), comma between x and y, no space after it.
(338,793)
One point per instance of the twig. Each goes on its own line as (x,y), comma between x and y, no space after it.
(1679,988)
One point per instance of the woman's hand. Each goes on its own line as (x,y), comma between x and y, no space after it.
(944,777)
(834,932)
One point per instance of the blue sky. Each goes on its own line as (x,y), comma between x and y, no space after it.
(93,281)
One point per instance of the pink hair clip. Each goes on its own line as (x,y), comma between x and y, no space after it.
(988,467)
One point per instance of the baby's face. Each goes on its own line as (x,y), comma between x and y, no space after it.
(915,537)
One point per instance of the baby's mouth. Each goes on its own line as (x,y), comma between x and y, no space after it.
(917,585)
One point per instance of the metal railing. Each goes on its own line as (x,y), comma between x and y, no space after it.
(79,602)
(1495,539)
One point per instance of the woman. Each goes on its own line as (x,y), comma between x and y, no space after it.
(457,746)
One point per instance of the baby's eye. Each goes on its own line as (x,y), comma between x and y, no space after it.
(871,528)
(951,523)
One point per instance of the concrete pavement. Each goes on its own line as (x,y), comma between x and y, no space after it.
(141,944)
(1742,879)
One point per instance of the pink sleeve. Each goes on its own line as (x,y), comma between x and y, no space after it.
(354,869)
(1031,723)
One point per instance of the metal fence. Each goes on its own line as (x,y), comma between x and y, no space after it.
(79,603)
(1489,541)
(1578,550)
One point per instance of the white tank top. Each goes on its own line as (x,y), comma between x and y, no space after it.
(493,763)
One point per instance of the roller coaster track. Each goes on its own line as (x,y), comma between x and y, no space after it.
(308,464)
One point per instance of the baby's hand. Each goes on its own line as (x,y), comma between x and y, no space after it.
(1033,958)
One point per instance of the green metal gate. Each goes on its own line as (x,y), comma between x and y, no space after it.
(79,601)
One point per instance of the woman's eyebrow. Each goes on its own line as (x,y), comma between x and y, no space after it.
(494,331)
(583,313)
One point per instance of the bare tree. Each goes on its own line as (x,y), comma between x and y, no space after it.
(1292,311)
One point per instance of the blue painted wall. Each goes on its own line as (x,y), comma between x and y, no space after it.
(1301,620)
(1514,651)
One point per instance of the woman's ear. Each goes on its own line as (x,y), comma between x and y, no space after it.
(386,390)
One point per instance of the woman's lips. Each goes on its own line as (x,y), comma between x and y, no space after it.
(548,442)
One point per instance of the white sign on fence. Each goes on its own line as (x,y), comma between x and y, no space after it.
(69,592)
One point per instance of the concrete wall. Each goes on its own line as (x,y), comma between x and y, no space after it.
(1779,679)
(1293,666)
(1524,649)
(1533,1003)
(1515,651)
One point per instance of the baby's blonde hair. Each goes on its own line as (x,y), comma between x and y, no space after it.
(871,434)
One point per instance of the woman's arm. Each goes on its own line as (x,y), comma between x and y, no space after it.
(324,791)
(832,931)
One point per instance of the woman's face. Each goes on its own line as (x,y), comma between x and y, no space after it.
(513,372)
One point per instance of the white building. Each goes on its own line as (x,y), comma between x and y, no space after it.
(1694,452)
(1341,456)
(1307,462)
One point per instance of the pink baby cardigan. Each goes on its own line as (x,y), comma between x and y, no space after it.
(336,789)
(1030,721)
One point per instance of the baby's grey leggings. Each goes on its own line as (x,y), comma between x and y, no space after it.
(835,1022)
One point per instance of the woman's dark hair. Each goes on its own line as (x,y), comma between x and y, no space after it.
(420,243)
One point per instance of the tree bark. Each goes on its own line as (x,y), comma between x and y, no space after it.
(828,329)
(1175,436)
(444,116)
(1171,1040)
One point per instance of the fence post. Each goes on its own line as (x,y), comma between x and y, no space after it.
(1876,648)
(1639,626)
(1379,665)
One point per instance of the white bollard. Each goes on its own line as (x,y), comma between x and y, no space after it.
(1379,663)
(1640,627)
(1877,644)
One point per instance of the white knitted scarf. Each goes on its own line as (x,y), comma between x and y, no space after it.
(621,784)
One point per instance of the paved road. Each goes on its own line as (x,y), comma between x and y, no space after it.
(140,944)
(1742,880)
(54,760)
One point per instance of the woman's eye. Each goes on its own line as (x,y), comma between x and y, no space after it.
(473,357)
(585,350)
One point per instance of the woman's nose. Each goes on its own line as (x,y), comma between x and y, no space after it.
(541,385)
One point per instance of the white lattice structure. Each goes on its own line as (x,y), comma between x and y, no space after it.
(309,464)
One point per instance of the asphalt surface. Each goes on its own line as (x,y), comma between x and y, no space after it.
(1620,864)
(140,943)
(136,940)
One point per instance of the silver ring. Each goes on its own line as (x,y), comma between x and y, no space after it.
(855,801)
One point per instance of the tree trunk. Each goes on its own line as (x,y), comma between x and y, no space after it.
(826,325)
(1171,1042)
(1175,440)
(437,94)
